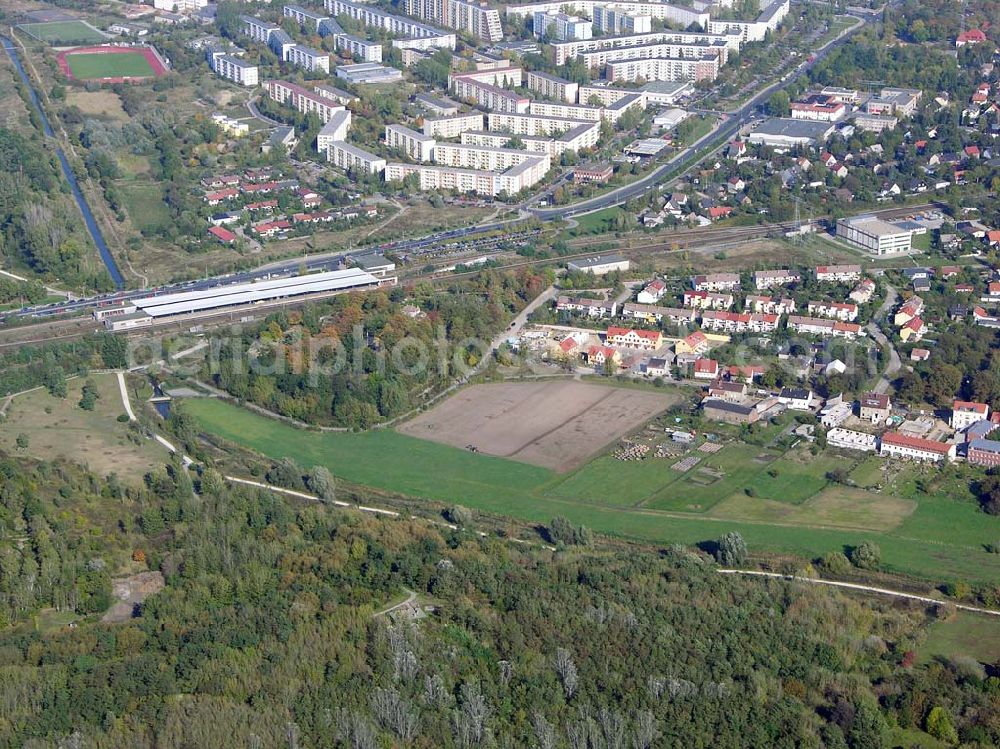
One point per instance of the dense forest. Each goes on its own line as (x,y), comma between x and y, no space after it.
(265,635)
(359,359)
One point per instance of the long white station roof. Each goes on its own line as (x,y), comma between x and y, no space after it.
(247,293)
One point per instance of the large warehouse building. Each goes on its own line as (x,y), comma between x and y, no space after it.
(138,313)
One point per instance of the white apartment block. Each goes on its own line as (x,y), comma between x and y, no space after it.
(308,58)
(966,413)
(835,310)
(566,111)
(436,177)
(565,51)
(838,273)
(767,279)
(482,158)
(417,35)
(453,126)
(875,235)
(415,145)
(738,322)
(303,100)
(502,77)
(754,31)
(708,300)
(664,69)
(488,95)
(612,20)
(333,131)
(476,18)
(258,30)
(822,327)
(552,87)
(697,51)
(360,49)
(307,19)
(180,6)
(717,282)
(678,14)
(561,26)
(236,70)
(584,135)
(533,124)
(347,157)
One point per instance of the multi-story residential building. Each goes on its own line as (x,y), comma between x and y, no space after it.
(822,327)
(303,100)
(754,31)
(584,135)
(769,305)
(647,340)
(481,157)
(589,307)
(875,235)
(897,445)
(234,69)
(334,130)
(416,35)
(551,86)
(561,26)
(679,14)
(437,177)
(257,29)
(307,19)
(360,49)
(838,273)
(836,310)
(707,299)
(613,20)
(476,18)
(738,322)
(875,123)
(452,126)
(819,108)
(664,69)
(966,413)
(415,145)
(716,282)
(651,313)
(349,157)
(671,49)
(308,58)
(487,88)
(767,279)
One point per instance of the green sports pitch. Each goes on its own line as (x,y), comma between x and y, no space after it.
(63,33)
(86,66)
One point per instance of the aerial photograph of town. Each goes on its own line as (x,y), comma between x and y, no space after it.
(553,374)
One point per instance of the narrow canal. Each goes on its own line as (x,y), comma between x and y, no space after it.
(88,215)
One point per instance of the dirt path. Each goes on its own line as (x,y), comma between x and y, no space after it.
(864,589)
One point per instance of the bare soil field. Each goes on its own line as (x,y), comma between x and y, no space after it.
(98,104)
(557,425)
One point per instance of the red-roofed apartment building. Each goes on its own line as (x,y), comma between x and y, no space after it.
(647,340)
(223,235)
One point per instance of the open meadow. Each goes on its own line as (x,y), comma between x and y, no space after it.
(932,536)
(63,33)
(58,428)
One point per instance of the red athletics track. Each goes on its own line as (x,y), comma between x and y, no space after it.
(147,52)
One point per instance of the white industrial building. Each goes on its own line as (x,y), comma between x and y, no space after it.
(599,265)
(368,72)
(875,235)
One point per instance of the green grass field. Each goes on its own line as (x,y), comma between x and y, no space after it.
(63,33)
(964,634)
(145,205)
(87,66)
(934,537)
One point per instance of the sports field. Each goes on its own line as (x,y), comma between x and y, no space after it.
(937,536)
(63,33)
(87,66)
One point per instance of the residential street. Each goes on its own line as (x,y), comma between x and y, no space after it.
(895,364)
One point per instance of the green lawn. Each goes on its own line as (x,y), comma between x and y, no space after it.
(598,222)
(942,540)
(966,634)
(606,480)
(86,66)
(699,489)
(145,205)
(794,477)
(63,33)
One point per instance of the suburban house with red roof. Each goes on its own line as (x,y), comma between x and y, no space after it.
(970,36)
(706,369)
(966,413)
(223,235)
(696,343)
